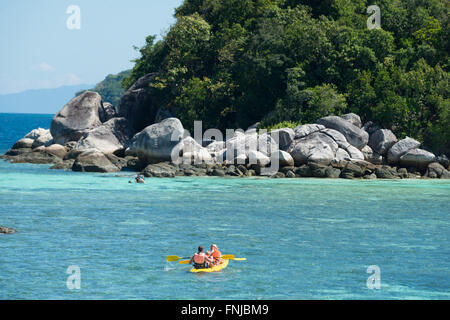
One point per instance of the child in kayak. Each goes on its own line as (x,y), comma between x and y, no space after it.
(215,254)
(200,260)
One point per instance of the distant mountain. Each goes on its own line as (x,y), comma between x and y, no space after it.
(111,87)
(44,101)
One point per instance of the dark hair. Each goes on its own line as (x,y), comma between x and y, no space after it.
(200,249)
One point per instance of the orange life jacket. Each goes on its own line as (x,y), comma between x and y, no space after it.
(199,258)
(216,255)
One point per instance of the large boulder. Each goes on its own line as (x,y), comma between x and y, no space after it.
(284,159)
(337,136)
(356,136)
(241,144)
(23,143)
(306,129)
(436,170)
(258,158)
(283,137)
(155,143)
(355,153)
(417,158)
(400,148)
(160,170)
(138,104)
(93,161)
(353,118)
(55,149)
(80,115)
(189,151)
(382,140)
(371,156)
(316,147)
(110,137)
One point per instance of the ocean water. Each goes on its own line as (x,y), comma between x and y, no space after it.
(303,238)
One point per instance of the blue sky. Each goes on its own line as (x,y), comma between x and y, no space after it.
(39,51)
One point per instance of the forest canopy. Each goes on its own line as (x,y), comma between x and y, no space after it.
(232,63)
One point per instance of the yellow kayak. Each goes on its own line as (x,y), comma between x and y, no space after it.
(217,268)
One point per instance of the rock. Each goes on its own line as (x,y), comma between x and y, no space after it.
(93,161)
(400,148)
(6,230)
(284,159)
(371,176)
(303,171)
(23,143)
(117,161)
(306,129)
(290,174)
(357,137)
(353,118)
(316,147)
(371,156)
(417,158)
(36,133)
(160,170)
(79,116)
(256,157)
(436,170)
(218,173)
(56,150)
(216,146)
(443,160)
(31,157)
(278,175)
(386,172)
(338,137)
(138,105)
(382,140)
(155,143)
(109,112)
(63,165)
(341,155)
(371,127)
(241,144)
(45,139)
(355,153)
(283,137)
(332,173)
(190,151)
(109,137)
(352,170)
(318,170)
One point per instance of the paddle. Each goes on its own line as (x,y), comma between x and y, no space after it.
(225,257)
(175,258)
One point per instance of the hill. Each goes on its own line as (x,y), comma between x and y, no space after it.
(42,101)
(232,63)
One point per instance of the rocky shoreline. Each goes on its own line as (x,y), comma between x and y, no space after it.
(88,135)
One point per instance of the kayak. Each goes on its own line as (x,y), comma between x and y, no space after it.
(217,268)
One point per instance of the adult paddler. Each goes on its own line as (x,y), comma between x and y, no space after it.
(215,254)
(200,260)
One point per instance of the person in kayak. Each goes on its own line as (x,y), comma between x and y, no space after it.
(200,260)
(140,179)
(215,254)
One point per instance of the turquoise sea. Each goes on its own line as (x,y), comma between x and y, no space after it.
(303,238)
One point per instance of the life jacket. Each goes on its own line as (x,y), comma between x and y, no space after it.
(199,259)
(216,254)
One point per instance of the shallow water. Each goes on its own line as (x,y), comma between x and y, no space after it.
(303,238)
